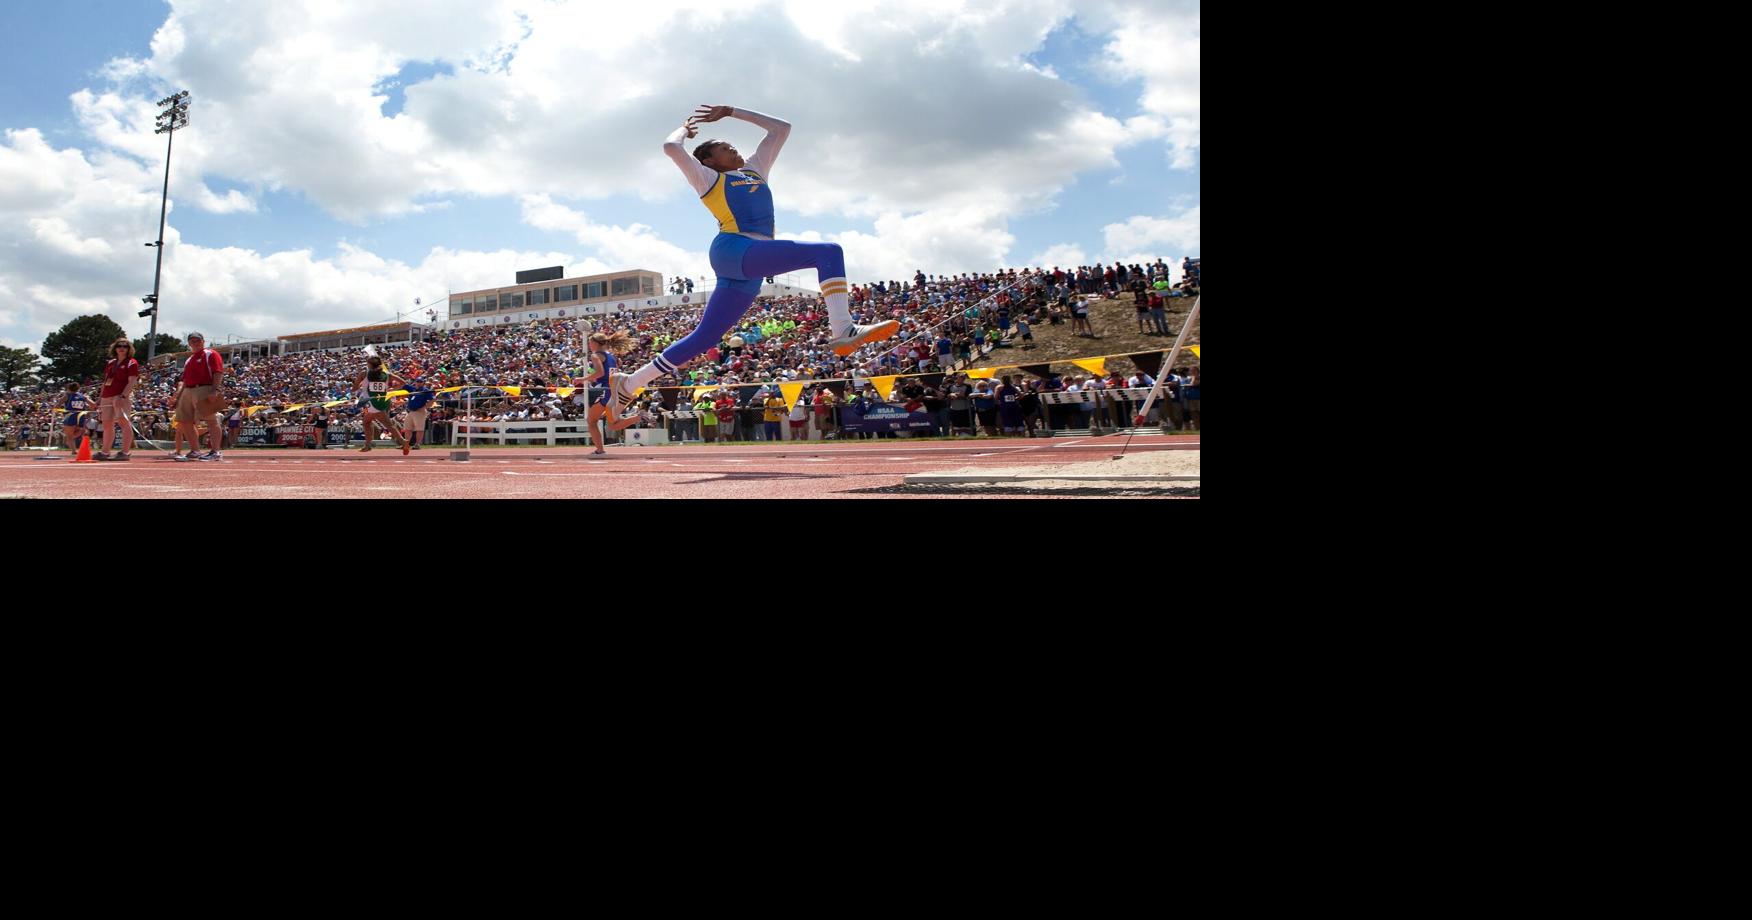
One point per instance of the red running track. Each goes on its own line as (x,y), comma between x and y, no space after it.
(804,470)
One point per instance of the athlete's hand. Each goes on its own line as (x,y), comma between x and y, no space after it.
(707,114)
(691,130)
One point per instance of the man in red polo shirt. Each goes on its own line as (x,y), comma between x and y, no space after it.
(199,396)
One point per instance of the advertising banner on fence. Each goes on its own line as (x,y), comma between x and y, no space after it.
(883,417)
(301,435)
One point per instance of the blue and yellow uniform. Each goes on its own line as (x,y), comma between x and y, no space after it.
(744,252)
(76,404)
(741,202)
(608,365)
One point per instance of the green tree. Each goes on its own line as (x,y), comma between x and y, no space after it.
(167,345)
(18,368)
(78,350)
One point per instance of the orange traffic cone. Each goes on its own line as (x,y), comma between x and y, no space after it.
(84,452)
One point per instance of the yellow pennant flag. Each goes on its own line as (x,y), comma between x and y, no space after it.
(884,385)
(701,391)
(794,390)
(1195,352)
(294,408)
(395,393)
(981,373)
(1096,366)
(451,390)
(252,410)
(331,405)
(566,392)
(512,391)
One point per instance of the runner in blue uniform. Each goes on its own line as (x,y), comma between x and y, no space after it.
(77,405)
(602,367)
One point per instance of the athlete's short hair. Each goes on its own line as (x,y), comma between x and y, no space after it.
(704,151)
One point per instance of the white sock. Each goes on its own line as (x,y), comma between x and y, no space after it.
(644,375)
(839,304)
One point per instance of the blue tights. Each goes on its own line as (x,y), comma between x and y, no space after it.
(741,263)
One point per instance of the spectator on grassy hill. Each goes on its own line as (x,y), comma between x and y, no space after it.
(1158,314)
(1080,318)
(1141,302)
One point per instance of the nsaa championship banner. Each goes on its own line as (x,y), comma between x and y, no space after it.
(883,417)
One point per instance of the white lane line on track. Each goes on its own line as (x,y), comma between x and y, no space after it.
(205,489)
(825,454)
(956,449)
(258,471)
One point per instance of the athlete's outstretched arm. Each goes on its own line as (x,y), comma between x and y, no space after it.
(698,174)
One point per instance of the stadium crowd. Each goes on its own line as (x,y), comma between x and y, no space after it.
(947,323)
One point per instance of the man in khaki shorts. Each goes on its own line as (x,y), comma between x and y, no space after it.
(199,396)
(419,404)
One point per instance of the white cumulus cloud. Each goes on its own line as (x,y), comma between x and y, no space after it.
(916,120)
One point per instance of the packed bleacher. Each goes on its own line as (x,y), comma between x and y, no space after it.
(947,323)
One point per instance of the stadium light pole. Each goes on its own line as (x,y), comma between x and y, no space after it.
(174,116)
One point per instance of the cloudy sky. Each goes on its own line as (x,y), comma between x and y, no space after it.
(347,156)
